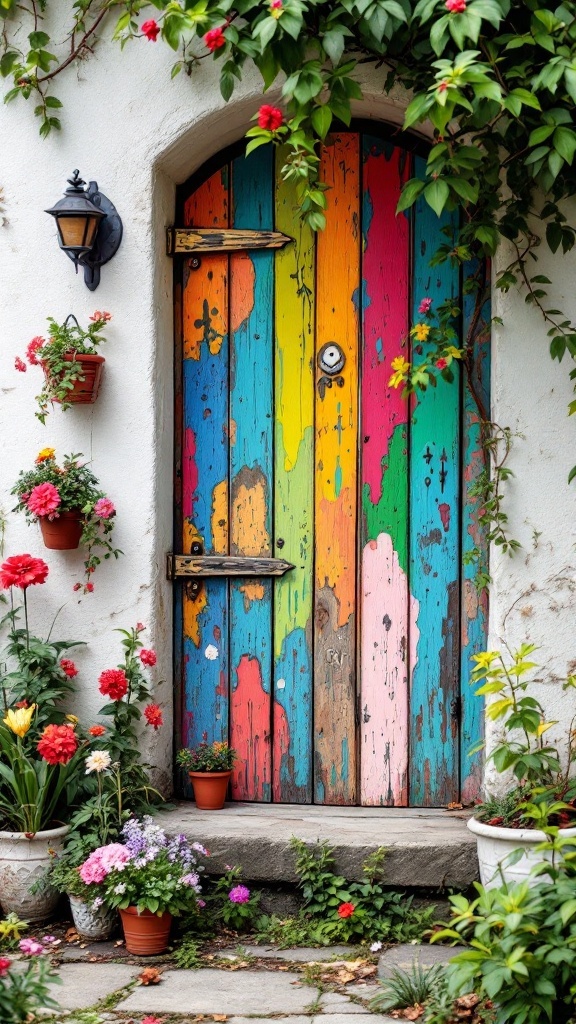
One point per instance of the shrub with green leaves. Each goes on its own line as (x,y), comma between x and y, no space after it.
(522,953)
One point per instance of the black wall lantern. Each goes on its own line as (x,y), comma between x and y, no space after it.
(89,228)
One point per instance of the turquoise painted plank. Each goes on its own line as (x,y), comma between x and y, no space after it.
(434,546)
(205,470)
(474,600)
(251,476)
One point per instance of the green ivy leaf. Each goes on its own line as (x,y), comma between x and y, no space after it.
(436,195)
(409,194)
(321,120)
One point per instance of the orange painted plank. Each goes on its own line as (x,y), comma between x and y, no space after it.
(336,442)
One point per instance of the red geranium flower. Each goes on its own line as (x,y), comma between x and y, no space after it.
(69,668)
(147,657)
(4,966)
(19,365)
(151,29)
(96,730)
(113,683)
(22,571)
(89,588)
(32,349)
(214,39)
(346,910)
(153,715)
(21,704)
(456,6)
(98,314)
(441,363)
(44,499)
(270,117)
(57,744)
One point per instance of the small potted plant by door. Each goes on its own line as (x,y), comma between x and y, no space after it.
(70,360)
(209,766)
(70,507)
(149,878)
(541,804)
(41,763)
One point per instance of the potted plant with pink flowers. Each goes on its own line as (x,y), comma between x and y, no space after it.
(70,360)
(70,507)
(149,878)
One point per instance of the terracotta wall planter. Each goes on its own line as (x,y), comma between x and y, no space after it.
(210,789)
(85,391)
(62,533)
(145,934)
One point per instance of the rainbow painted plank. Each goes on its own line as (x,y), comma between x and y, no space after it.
(251,454)
(384,454)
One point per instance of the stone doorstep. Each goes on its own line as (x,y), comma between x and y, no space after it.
(425,848)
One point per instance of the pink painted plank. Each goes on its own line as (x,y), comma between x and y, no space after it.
(384,522)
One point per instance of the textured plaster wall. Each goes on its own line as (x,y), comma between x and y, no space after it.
(138,134)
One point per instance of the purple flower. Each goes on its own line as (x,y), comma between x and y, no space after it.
(239,894)
(48,939)
(201,903)
(31,946)
(191,879)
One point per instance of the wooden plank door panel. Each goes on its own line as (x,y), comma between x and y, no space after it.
(336,433)
(384,482)
(251,454)
(434,544)
(474,542)
(293,501)
(205,469)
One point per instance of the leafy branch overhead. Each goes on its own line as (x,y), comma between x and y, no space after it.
(496,79)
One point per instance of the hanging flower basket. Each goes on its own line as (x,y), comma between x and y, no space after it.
(86,385)
(63,533)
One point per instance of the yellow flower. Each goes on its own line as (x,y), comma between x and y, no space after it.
(73,719)
(421,331)
(45,454)
(20,720)
(401,368)
(456,353)
(485,658)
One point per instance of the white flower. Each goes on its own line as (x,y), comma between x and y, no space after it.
(97,903)
(375,947)
(120,889)
(98,761)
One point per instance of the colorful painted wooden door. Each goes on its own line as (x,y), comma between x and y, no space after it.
(346,680)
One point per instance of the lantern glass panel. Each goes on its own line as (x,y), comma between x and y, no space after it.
(78,232)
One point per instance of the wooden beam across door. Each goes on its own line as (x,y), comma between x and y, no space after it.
(224,565)
(204,240)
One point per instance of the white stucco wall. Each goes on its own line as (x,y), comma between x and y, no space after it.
(138,134)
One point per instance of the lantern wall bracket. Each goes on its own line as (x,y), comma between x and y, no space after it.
(107,241)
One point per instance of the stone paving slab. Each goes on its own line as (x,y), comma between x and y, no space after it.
(404,957)
(83,985)
(335,1002)
(300,954)
(425,847)
(232,992)
(347,1018)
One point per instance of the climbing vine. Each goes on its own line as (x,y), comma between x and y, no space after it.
(496,79)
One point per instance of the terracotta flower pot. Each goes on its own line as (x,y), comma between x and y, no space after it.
(85,391)
(210,789)
(62,533)
(145,934)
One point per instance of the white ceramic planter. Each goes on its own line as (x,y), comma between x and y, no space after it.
(24,860)
(495,844)
(96,924)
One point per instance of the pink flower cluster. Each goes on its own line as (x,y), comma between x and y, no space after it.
(43,500)
(104,508)
(239,894)
(102,861)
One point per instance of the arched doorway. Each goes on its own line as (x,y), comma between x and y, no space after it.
(344,680)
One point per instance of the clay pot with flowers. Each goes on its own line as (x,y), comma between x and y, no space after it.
(70,360)
(149,878)
(209,766)
(70,507)
(41,749)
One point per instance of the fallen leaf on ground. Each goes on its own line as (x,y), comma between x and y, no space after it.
(71,935)
(468,1001)
(345,976)
(365,972)
(150,976)
(219,1016)
(454,807)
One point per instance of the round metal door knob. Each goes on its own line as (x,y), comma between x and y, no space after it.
(331,358)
